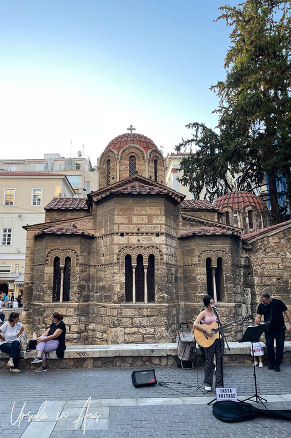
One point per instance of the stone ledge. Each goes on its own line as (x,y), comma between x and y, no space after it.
(137,350)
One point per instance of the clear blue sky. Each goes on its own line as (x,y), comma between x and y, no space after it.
(79,72)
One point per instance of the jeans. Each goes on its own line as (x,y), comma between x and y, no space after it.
(216,349)
(13,349)
(275,360)
(47,347)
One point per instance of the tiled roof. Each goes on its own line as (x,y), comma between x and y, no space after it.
(68,231)
(8,173)
(122,140)
(239,200)
(136,185)
(197,205)
(68,204)
(266,230)
(209,231)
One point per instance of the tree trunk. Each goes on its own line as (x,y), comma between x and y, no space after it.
(274,199)
(288,185)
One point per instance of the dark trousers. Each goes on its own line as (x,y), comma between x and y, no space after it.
(216,349)
(275,360)
(13,349)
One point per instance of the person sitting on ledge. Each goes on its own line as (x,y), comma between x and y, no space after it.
(9,340)
(52,339)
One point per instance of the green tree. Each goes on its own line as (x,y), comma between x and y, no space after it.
(254,142)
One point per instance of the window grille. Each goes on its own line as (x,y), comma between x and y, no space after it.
(56,280)
(67,279)
(132,165)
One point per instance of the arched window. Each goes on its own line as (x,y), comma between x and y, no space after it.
(219,280)
(227,220)
(67,279)
(209,277)
(128,279)
(132,165)
(139,279)
(56,280)
(250,218)
(155,170)
(151,278)
(108,172)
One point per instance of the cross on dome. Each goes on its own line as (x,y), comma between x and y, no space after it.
(131,128)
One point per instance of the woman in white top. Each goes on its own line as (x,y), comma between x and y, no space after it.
(9,340)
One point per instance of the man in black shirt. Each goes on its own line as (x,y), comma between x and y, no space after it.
(273,310)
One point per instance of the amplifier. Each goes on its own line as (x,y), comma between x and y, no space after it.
(143,378)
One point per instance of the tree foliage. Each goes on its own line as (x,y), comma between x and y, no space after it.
(254,139)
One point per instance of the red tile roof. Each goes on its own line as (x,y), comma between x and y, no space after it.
(122,140)
(209,231)
(68,204)
(240,200)
(68,231)
(197,205)
(259,233)
(136,185)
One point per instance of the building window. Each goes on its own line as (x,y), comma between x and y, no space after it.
(214,278)
(227,219)
(108,172)
(57,280)
(128,279)
(5,269)
(140,280)
(209,276)
(6,236)
(250,218)
(74,181)
(132,165)
(67,279)
(9,197)
(151,279)
(36,197)
(219,280)
(155,170)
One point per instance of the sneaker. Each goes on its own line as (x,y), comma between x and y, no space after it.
(261,365)
(208,388)
(256,364)
(36,360)
(10,363)
(14,370)
(41,370)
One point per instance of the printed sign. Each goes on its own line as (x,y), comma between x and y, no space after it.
(223,394)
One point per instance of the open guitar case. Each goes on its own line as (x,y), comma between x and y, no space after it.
(232,412)
(186,348)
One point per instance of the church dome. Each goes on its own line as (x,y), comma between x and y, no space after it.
(239,201)
(131,138)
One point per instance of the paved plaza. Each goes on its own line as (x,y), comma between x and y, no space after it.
(104,403)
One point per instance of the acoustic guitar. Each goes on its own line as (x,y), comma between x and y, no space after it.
(206,341)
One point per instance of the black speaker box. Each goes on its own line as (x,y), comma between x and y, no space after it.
(143,378)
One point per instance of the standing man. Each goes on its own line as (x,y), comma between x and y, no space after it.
(273,310)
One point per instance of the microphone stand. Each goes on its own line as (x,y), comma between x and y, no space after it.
(222,339)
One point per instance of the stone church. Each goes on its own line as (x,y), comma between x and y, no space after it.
(134,259)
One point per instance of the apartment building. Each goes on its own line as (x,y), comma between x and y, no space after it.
(24,196)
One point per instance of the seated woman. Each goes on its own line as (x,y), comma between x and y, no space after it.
(52,339)
(10,332)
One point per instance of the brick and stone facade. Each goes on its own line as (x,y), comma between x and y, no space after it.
(134,260)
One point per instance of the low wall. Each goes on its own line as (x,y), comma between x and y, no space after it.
(134,355)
